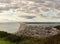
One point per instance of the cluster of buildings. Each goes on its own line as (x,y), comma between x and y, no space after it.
(37,31)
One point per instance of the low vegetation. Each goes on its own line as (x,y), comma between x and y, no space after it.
(7,38)
(58,27)
(3,41)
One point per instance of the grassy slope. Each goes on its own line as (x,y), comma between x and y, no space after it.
(2,41)
(6,38)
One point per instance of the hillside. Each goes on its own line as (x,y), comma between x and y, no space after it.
(7,38)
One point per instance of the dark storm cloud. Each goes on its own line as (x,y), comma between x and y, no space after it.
(28,17)
(43,15)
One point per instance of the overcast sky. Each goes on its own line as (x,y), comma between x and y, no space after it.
(29,10)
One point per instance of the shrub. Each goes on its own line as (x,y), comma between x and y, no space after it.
(3,34)
(58,27)
(13,38)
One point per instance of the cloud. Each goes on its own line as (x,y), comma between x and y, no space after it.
(50,14)
(28,17)
(8,7)
(33,11)
(2,8)
(5,1)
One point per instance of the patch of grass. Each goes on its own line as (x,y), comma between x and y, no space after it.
(3,41)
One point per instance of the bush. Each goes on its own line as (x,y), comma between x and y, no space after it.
(3,34)
(10,37)
(13,38)
(58,27)
(53,40)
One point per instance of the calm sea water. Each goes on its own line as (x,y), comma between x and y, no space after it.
(44,24)
(9,27)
